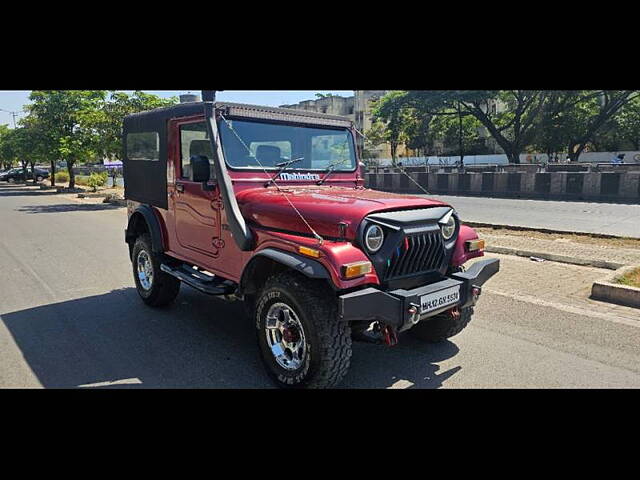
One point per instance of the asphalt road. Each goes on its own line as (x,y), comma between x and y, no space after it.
(70,317)
(605,218)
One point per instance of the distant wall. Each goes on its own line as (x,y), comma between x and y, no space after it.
(591,157)
(608,186)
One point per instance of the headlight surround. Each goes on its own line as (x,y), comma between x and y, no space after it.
(374,238)
(449,229)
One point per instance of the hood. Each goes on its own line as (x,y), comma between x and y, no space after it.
(324,207)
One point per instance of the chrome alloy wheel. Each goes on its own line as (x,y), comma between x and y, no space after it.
(285,336)
(145,270)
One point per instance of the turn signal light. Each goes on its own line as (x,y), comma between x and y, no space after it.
(358,269)
(475,245)
(309,252)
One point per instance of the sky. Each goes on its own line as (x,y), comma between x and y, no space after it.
(14,100)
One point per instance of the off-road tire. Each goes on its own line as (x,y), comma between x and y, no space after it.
(165,288)
(442,327)
(328,341)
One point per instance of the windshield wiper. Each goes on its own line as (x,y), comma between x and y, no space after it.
(331,169)
(283,166)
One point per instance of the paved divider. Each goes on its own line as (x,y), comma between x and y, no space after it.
(589,186)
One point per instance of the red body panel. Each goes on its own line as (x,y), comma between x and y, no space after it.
(194,224)
(460,254)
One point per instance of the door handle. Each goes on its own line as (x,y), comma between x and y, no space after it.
(180,187)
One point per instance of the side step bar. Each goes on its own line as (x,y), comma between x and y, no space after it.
(199,280)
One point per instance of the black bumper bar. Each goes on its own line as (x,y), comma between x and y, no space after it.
(395,308)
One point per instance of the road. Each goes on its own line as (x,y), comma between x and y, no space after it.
(70,317)
(605,218)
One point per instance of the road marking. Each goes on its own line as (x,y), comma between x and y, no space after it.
(127,381)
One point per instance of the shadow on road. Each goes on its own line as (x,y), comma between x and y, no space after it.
(18,190)
(68,207)
(199,342)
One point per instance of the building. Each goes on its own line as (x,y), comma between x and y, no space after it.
(357,108)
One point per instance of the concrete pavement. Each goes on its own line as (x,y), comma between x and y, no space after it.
(70,317)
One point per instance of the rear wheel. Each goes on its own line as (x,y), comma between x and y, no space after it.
(156,288)
(301,341)
(443,326)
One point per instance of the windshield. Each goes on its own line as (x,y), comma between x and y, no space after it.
(269,144)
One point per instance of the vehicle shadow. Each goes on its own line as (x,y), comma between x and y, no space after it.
(68,207)
(115,341)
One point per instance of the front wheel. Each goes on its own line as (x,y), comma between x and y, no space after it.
(302,343)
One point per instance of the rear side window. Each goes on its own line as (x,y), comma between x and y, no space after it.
(143,146)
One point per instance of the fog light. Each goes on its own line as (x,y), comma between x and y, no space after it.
(475,245)
(358,269)
(476,291)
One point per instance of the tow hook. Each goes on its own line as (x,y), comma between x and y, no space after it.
(455,313)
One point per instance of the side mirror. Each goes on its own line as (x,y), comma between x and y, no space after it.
(200,171)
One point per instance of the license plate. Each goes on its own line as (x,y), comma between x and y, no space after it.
(438,300)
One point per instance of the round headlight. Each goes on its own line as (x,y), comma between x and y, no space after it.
(374,238)
(449,228)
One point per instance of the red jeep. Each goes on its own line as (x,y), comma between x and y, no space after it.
(268,206)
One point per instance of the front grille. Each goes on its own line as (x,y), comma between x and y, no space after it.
(417,253)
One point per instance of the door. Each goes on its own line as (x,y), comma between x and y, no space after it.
(196,210)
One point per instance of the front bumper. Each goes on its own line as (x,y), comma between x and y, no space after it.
(395,308)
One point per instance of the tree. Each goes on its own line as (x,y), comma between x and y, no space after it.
(396,118)
(107,120)
(580,116)
(63,113)
(628,124)
(508,115)
(6,159)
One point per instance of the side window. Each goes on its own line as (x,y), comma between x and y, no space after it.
(194,140)
(143,146)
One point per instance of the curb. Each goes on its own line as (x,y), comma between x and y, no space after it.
(584,262)
(607,291)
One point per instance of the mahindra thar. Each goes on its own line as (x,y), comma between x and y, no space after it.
(268,206)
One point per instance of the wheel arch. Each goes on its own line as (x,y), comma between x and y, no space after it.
(144,220)
(271,261)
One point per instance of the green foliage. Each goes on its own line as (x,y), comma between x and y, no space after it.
(518,120)
(62,176)
(97,180)
(107,120)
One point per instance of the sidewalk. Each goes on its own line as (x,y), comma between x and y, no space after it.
(611,253)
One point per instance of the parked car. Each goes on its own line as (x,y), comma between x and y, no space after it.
(17,175)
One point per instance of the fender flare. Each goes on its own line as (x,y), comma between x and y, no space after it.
(153,225)
(307,266)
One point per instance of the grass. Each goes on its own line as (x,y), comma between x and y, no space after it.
(631,279)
